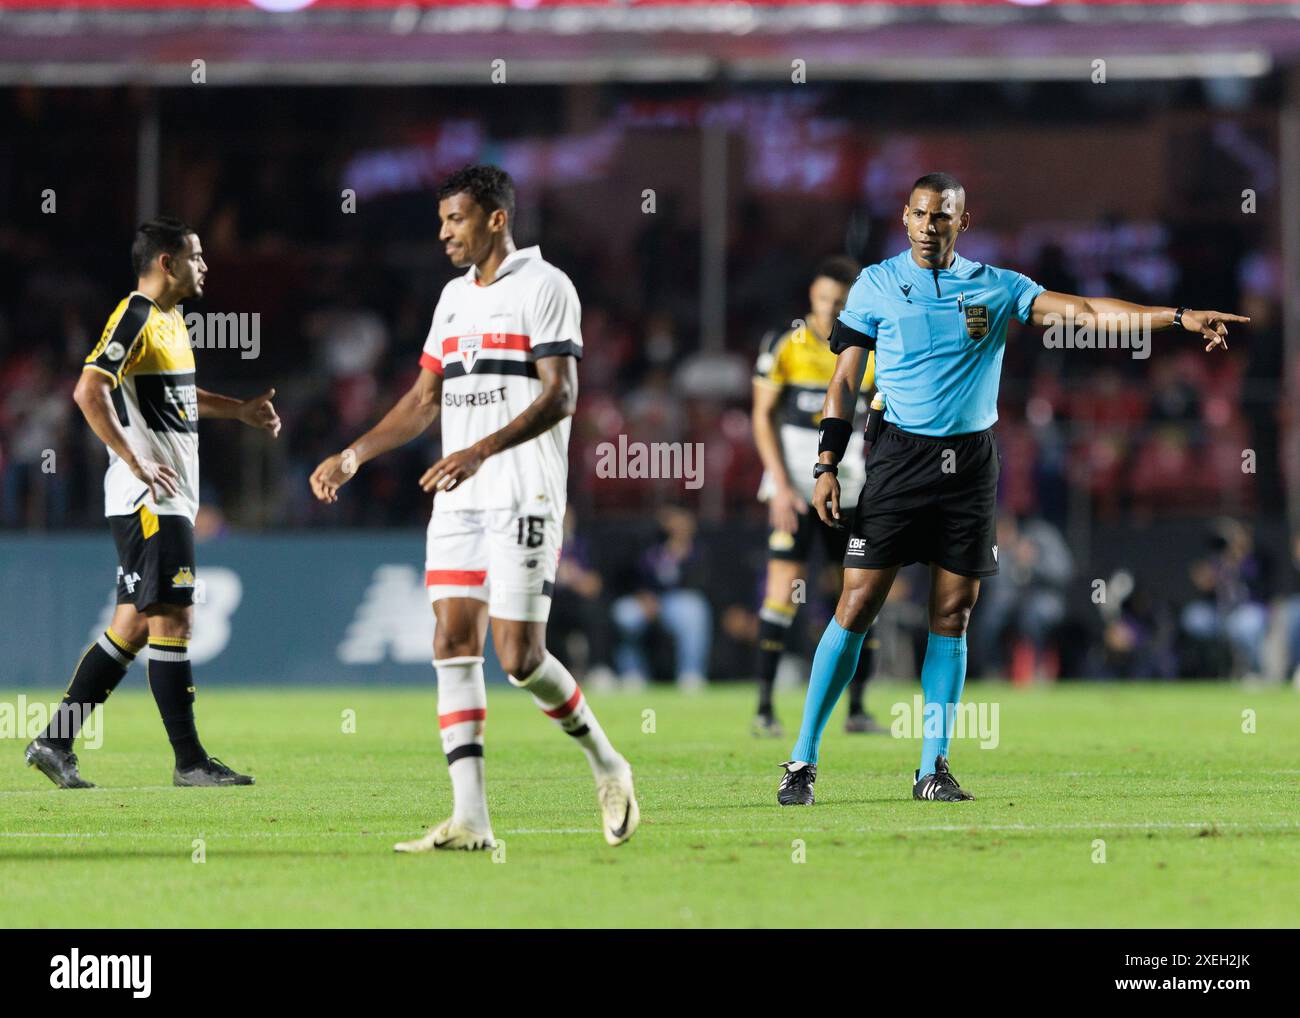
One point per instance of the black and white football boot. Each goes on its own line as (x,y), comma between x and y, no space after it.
(940,786)
(59,765)
(212,773)
(797,784)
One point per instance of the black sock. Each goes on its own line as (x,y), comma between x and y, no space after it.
(100,670)
(866,665)
(172,682)
(773,623)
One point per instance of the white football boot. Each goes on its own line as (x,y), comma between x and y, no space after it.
(449,835)
(619,810)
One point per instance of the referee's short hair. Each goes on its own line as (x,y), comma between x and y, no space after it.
(163,235)
(841,268)
(489,186)
(938,182)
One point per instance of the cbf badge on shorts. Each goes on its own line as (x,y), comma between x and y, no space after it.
(977,321)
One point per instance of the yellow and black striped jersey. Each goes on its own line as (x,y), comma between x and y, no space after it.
(147,353)
(800,364)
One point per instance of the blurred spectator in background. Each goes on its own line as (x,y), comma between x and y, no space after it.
(1289,618)
(35,416)
(666,597)
(1023,607)
(1228,616)
(1137,634)
(580,627)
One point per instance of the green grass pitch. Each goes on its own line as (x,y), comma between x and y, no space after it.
(1198,818)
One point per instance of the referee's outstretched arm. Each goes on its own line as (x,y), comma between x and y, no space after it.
(1102,312)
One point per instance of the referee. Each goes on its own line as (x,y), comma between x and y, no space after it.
(937,323)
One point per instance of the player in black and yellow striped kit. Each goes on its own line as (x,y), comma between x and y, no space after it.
(137,391)
(790,380)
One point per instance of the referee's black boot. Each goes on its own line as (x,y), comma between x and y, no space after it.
(797,784)
(940,786)
(59,765)
(211,773)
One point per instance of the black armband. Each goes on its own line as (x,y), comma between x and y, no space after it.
(833,436)
(843,337)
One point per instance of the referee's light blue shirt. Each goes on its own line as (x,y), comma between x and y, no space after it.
(939,338)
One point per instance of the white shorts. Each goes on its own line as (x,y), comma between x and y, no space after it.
(494,555)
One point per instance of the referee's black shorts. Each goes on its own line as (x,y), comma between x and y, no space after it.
(928,500)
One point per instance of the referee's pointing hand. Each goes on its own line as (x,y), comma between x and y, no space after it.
(1211,325)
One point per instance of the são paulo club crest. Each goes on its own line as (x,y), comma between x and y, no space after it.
(469,347)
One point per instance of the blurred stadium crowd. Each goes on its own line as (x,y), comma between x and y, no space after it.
(1125,469)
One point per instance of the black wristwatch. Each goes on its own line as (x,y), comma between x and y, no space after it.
(825,468)
(1178,317)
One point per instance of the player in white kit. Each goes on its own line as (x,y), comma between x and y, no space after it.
(499,368)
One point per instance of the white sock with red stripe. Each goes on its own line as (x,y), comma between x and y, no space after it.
(556,692)
(462,713)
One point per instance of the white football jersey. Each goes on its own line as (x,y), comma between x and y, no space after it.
(485,342)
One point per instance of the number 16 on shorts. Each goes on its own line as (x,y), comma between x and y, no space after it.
(494,555)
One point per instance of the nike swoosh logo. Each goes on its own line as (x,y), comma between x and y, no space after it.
(627,815)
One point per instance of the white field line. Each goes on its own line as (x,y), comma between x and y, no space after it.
(972,828)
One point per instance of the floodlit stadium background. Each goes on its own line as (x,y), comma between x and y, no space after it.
(766,135)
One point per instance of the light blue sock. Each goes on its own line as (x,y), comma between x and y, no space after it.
(833,666)
(942,676)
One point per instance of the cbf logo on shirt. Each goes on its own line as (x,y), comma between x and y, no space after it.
(939,338)
(977,321)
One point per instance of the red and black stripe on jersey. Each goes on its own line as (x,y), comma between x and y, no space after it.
(490,366)
(451,364)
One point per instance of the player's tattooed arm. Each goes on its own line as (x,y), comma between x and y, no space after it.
(1051,308)
(257,412)
(409,418)
(557,400)
(94,395)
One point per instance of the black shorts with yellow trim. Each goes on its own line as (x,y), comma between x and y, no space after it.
(155,559)
(928,499)
(797,547)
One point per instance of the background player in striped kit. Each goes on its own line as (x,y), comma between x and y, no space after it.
(500,368)
(137,391)
(790,381)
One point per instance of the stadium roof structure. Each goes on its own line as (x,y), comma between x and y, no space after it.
(243,42)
